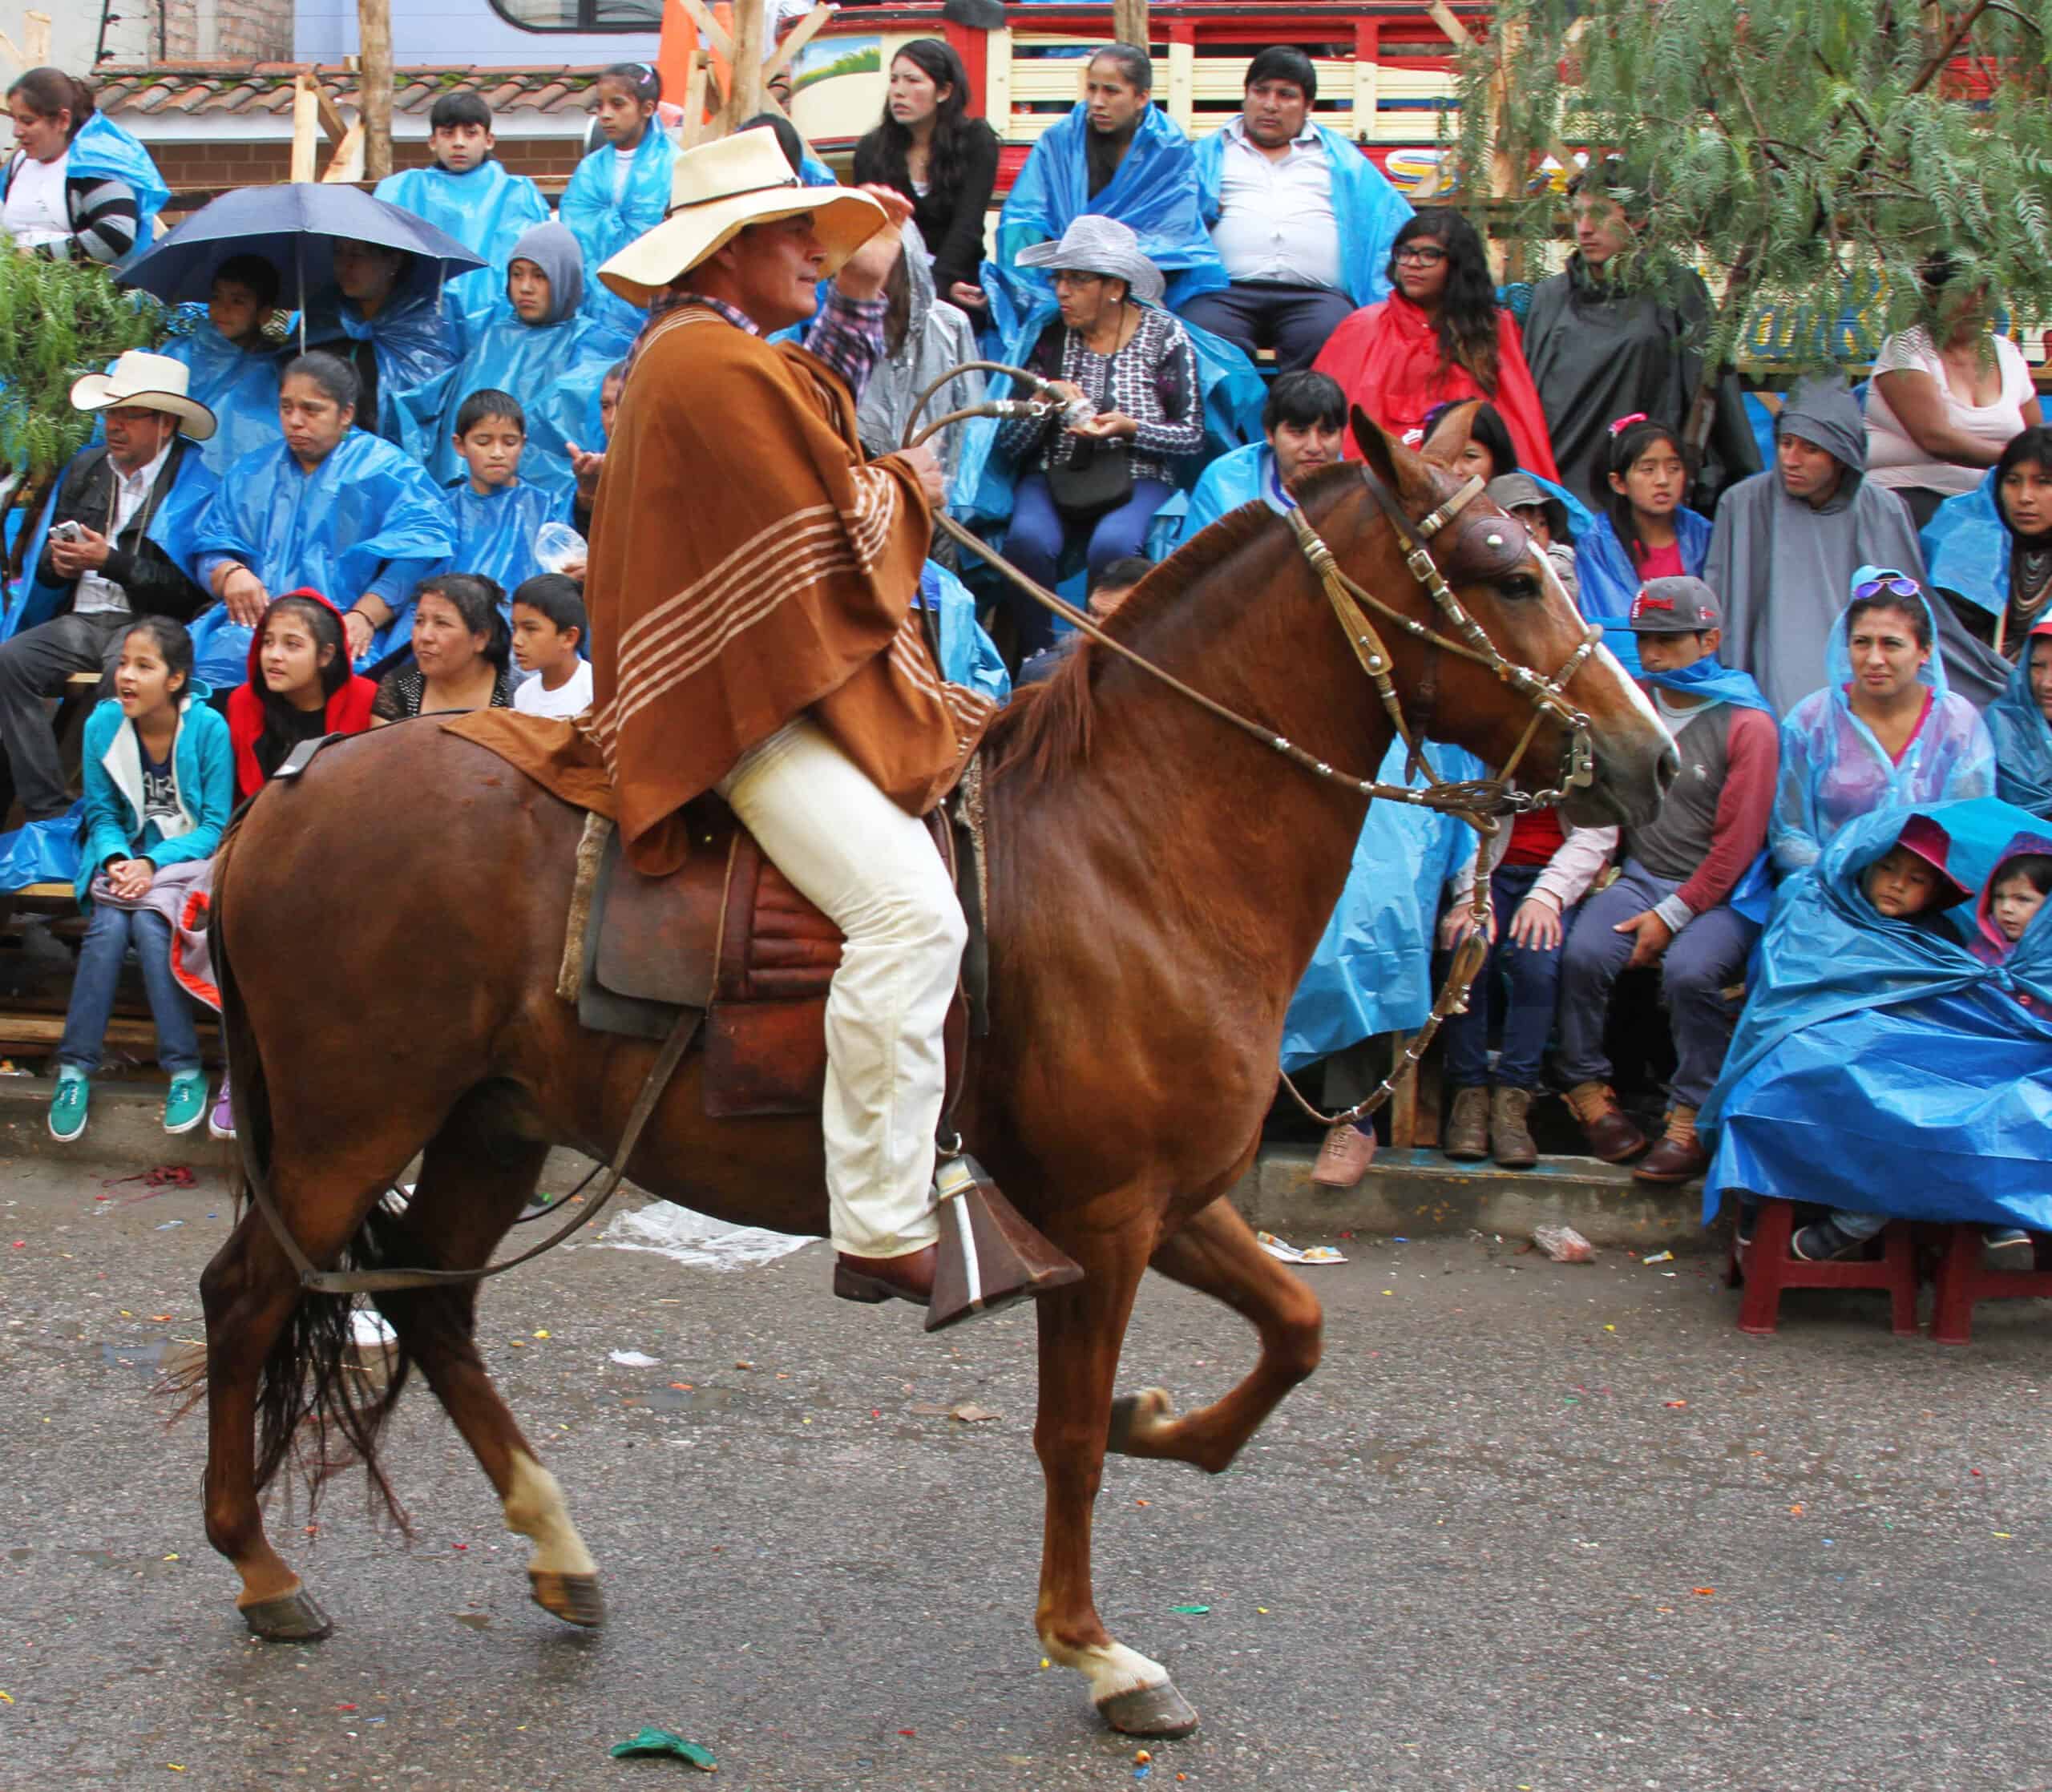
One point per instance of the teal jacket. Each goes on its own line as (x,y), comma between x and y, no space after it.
(202,773)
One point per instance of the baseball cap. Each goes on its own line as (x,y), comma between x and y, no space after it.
(1679,605)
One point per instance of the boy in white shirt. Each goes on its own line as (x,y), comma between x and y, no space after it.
(549,629)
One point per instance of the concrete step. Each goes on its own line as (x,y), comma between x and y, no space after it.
(1406,1194)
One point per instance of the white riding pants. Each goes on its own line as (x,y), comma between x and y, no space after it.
(872,870)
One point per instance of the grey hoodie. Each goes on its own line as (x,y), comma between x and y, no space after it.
(1783,566)
(937,337)
(554,250)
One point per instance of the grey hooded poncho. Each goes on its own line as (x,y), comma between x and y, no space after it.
(1782,567)
(937,337)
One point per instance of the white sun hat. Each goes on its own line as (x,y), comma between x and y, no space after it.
(1099,245)
(151,382)
(718,189)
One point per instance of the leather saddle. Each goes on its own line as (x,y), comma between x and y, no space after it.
(728,935)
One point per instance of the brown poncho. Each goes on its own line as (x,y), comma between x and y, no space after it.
(747,563)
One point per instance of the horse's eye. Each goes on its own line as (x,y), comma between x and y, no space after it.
(1518,585)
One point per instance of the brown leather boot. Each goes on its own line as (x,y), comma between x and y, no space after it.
(1607,1129)
(1679,1156)
(1510,1140)
(1344,1157)
(1467,1140)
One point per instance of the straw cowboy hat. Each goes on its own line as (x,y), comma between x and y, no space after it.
(150,382)
(716,190)
(1096,245)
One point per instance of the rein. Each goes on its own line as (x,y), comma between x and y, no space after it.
(1479,803)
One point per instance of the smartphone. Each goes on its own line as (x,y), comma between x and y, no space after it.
(67,530)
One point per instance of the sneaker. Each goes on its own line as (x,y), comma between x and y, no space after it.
(1822,1242)
(186,1106)
(220,1123)
(67,1106)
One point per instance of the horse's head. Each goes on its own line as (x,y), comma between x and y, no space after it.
(1502,580)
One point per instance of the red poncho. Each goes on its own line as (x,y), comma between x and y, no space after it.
(1386,358)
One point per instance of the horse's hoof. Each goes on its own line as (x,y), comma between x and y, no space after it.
(292,1617)
(1135,1418)
(1150,1711)
(574,1598)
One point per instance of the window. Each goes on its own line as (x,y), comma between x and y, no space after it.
(582,15)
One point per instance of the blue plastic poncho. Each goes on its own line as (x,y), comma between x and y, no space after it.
(239,385)
(1832,768)
(1610,581)
(968,657)
(1236,478)
(554,368)
(1233,394)
(604,225)
(1155,192)
(333,529)
(103,149)
(1966,548)
(1369,210)
(47,851)
(495,534)
(174,526)
(412,336)
(1879,1065)
(2022,739)
(1372,972)
(485,210)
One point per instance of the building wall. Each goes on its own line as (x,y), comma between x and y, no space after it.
(73,34)
(224,30)
(457,32)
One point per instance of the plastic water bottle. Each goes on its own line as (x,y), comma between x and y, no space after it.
(558,546)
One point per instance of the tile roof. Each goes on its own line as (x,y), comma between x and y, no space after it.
(194,88)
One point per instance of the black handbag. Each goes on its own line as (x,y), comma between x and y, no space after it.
(1098,478)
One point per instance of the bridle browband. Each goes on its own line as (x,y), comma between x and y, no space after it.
(1478,802)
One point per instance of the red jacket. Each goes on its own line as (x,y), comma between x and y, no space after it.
(1386,358)
(349,706)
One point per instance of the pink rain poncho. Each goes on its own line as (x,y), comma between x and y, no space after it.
(1833,768)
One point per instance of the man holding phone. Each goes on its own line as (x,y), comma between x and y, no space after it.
(115,546)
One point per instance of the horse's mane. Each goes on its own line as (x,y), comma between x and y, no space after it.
(1045,730)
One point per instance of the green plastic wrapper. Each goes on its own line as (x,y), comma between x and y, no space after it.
(663,1741)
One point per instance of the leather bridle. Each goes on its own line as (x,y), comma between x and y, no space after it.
(1478,802)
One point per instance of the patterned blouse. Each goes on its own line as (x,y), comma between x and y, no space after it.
(400,693)
(1153,380)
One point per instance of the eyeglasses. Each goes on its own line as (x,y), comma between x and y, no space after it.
(1078,276)
(1896,586)
(1422,255)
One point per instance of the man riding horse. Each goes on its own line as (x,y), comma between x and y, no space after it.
(751,585)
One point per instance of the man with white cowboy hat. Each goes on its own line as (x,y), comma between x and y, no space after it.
(113,545)
(751,585)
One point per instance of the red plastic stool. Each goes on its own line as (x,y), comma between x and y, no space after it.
(1766,1268)
(1962,1281)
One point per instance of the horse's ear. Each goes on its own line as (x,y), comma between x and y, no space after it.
(1388,458)
(1450,435)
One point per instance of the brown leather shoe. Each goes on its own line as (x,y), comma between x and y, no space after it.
(1466,1138)
(1510,1140)
(1679,1156)
(1344,1157)
(1607,1129)
(871,1279)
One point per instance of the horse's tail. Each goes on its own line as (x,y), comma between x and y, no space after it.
(318,1407)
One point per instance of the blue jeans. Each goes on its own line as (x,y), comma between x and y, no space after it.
(108,937)
(1517,982)
(1039,534)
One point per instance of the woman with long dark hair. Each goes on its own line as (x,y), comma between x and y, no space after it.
(1990,550)
(929,148)
(1438,337)
(78,188)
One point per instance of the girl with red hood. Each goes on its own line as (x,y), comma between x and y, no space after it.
(300,687)
(2015,891)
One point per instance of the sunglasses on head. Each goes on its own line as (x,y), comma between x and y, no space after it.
(1896,585)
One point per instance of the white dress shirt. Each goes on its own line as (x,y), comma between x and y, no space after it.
(1275,217)
(34,213)
(95,596)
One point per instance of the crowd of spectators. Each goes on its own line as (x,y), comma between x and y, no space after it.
(389,525)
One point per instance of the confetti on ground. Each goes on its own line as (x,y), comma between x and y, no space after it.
(1288,1253)
(1190,1611)
(1703,1592)
(1660,1257)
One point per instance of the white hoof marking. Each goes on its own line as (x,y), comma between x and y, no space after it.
(1111,1669)
(534,1508)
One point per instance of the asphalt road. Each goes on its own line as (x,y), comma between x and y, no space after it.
(1530,1527)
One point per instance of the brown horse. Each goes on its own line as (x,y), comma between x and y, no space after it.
(1157,883)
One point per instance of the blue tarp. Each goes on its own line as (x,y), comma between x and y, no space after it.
(333,529)
(1881,1067)
(240,386)
(1967,549)
(1154,193)
(485,210)
(174,526)
(1369,210)
(43,852)
(1610,581)
(1372,972)
(2023,743)
(604,225)
(968,657)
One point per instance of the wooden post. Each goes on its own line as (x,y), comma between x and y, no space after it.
(35,38)
(306,125)
(374,85)
(1130,22)
(745,73)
